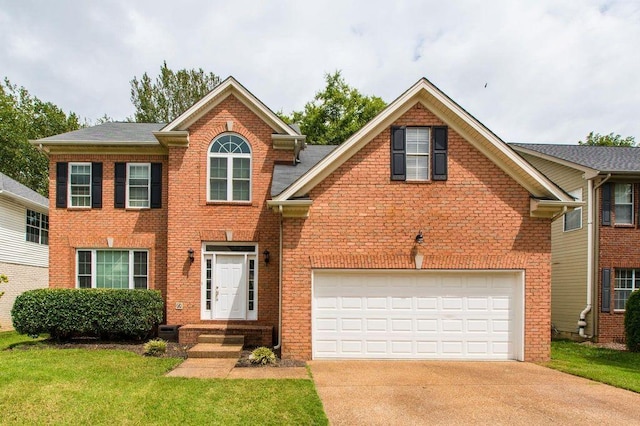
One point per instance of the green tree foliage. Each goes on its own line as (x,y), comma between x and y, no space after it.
(24,117)
(335,113)
(596,139)
(170,94)
(3,279)
(632,322)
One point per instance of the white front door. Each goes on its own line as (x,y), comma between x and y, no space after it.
(225,292)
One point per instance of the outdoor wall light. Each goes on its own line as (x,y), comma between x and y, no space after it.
(191,257)
(266,256)
(419,256)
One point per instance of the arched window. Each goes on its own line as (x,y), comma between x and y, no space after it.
(229,169)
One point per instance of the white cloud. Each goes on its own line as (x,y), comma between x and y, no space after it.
(554,70)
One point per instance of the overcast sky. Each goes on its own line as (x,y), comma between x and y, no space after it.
(531,71)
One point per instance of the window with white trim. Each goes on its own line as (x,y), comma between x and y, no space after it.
(623,203)
(124,269)
(37,227)
(80,184)
(417,153)
(626,282)
(138,184)
(229,169)
(573,219)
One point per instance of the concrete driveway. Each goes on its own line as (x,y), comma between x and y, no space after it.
(436,392)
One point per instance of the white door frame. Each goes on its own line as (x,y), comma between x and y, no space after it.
(209,286)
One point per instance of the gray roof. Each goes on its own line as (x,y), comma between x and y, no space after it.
(605,159)
(284,174)
(110,132)
(18,190)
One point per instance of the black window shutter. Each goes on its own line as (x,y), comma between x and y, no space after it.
(607,189)
(606,290)
(398,154)
(120,182)
(156,185)
(96,185)
(61,184)
(440,145)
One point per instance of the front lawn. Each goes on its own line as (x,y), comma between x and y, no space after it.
(63,386)
(617,368)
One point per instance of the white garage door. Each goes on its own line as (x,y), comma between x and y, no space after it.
(418,315)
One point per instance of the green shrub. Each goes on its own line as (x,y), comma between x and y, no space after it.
(632,322)
(155,347)
(262,355)
(104,313)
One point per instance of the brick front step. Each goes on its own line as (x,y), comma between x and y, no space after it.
(215,350)
(221,339)
(254,335)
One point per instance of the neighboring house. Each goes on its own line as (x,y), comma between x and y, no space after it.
(24,238)
(596,249)
(421,236)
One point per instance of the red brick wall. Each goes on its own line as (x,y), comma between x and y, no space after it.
(619,248)
(72,228)
(478,214)
(192,220)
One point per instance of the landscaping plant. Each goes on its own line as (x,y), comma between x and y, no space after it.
(105,313)
(632,322)
(263,356)
(155,347)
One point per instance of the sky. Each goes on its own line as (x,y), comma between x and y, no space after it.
(539,71)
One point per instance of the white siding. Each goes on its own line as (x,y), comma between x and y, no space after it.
(13,245)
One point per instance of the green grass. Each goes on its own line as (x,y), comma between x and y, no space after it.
(65,386)
(617,368)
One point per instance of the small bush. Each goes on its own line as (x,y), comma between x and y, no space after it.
(262,355)
(104,313)
(632,322)
(155,347)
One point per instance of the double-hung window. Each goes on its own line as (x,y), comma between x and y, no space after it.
(626,281)
(124,269)
(573,219)
(229,169)
(37,227)
(138,185)
(419,154)
(80,184)
(623,203)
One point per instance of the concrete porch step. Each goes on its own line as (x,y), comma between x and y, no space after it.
(215,350)
(221,339)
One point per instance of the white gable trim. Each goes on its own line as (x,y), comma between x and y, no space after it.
(454,116)
(228,87)
(589,173)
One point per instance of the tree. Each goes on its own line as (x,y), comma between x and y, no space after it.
(335,113)
(171,94)
(3,279)
(24,117)
(596,139)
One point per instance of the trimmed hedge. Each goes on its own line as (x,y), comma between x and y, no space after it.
(632,322)
(104,313)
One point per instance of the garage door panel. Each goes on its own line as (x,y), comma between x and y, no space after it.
(408,316)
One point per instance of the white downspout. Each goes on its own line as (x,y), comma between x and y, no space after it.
(591,193)
(277,346)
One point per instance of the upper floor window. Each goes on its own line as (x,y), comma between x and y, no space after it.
(138,184)
(419,153)
(573,219)
(623,203)
(80,184)
(229,169)
(37,227)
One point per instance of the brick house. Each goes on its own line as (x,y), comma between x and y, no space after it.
(421,236)
(595,250)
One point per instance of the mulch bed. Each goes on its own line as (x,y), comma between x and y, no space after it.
(174,350)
